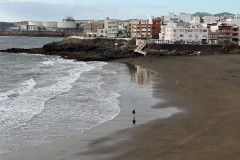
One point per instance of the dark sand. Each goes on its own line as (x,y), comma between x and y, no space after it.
(208,90)
(205,88)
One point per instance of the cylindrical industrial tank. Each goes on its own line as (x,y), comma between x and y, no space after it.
(35,23)
(50,24)
(66,24)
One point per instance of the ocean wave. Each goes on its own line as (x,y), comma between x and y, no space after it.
(48,63)
(27,87)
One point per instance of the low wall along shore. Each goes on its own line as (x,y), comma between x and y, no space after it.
(205,49)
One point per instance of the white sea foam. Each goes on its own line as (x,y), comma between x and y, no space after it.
(27,87)
(48,62)
(65,101)
(26,102)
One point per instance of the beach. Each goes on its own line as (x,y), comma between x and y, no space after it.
(208,92)
(201,95)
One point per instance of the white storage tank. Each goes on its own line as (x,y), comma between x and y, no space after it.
(35,23)
(50,24)
(68,22)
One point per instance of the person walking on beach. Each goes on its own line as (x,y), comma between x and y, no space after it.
(134,120)
(134,112)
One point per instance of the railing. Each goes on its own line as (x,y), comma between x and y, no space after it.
(139,49)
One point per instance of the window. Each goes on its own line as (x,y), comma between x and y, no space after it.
(213,36)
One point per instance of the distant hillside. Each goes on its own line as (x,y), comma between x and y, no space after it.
(224,14)
(201,14)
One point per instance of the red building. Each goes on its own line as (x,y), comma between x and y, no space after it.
(156,27)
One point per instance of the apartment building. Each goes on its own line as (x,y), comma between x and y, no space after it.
(111,26)
(228,33)
(187,35)
(213,34)
(141,30)
(156,27)
(93,27)
(147,30)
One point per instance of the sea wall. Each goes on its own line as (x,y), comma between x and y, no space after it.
(188,48)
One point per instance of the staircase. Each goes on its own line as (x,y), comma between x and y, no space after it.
(139,49)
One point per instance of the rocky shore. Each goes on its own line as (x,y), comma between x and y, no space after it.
(110,49)
(83,50)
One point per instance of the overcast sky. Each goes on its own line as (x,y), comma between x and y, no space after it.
(55,10)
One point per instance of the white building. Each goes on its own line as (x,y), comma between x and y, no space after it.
(234,21)
(33,28)
(210,19)
(187,35)
(170,16)
(151,19)
(111,26)
(162,34)
(195,20)
(184,17)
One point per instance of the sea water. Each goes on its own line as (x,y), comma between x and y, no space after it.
(47,98)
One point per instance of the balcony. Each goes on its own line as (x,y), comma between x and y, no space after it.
(224,31)
(235,35)
(235,30)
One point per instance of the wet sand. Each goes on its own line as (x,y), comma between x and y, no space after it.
(206,90)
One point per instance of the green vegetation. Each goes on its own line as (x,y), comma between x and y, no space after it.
(235,51)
